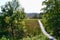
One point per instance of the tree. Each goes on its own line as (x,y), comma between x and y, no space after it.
(11,20)
(52,16)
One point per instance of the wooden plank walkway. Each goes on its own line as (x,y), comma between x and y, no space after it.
(44,32)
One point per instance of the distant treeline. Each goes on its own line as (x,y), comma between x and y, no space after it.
(34,15)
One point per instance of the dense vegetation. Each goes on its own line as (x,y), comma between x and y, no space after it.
(51,17)
(14,25)
(11,19)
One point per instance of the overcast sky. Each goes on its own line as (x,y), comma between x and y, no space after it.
(29,5)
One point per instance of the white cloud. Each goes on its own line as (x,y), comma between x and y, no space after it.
(28,5)
(2,2)
(31,5)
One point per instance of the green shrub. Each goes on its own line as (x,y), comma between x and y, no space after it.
(4,38)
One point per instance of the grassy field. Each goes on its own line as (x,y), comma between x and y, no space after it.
(33,29)
(32,26)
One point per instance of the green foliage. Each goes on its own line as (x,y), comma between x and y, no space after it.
(4,38)
(52,16)
(37,37)
(11,21)
(32,27)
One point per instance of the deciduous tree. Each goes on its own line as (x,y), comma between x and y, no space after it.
(52,16)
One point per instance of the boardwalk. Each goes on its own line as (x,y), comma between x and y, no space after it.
(44,32)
